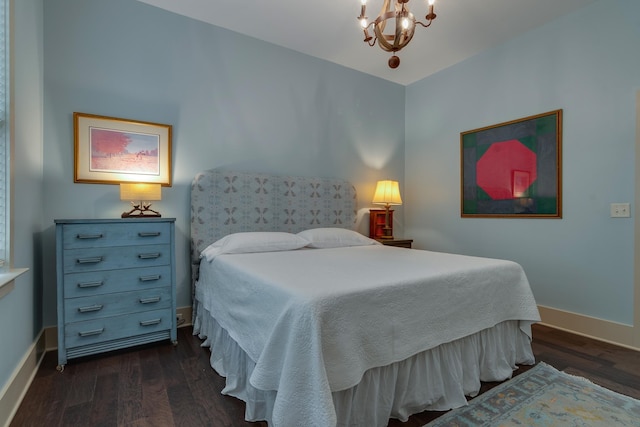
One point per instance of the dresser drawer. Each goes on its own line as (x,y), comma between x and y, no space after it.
(110,234)
(110,281)
(97,259)
(111,328)
(94,307)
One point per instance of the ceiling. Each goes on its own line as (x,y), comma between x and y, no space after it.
(329,29)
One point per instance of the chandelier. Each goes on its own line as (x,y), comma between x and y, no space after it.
(401,21)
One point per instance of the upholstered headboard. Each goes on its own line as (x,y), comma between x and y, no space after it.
(227,201)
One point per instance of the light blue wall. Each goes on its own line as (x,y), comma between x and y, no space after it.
(236,101)
(232,100)
(587,64)
(21,310)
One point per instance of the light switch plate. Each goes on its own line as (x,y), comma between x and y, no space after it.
(620,210)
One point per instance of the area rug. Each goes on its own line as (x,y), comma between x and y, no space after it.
(544,396)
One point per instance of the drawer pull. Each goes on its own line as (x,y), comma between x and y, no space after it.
(149,233)
(149,256)
(90,308)
(92,260)
(89,236)
(149,300)
(150,278)
(150,322)
(93,332)
(90,284)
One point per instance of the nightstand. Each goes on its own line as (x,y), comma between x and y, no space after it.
(116,284)
(401,243)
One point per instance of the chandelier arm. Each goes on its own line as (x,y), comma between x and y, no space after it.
(384,39)
(372,41)
(427,25)
(381,21)
(397,39)
(367,36)
(385,12)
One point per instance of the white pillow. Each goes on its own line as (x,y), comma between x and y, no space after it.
(321,238)
(254,241)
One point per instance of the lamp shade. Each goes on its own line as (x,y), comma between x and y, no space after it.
(140,192)
(387,193)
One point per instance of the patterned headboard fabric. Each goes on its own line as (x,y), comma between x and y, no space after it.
(227,201)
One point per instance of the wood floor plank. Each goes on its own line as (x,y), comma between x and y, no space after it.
(104,412)
(156,407)
(76,415)
(161,385)
(34,406)
(625,361)
(109,363)
(187,412)
(83,383)
(607,381)
(130,390)
(170,366)
(204,383)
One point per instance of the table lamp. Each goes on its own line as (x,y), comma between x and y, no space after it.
(140,195)
(387,194)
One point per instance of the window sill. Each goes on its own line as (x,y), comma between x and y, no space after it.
(7,278)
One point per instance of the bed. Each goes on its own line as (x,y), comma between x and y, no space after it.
(312,323)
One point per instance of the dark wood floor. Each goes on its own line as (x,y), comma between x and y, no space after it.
(161,385)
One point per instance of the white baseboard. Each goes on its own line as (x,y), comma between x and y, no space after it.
(592,327)
(16,387)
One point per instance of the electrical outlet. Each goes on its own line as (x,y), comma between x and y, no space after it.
(179,319)
(620,210)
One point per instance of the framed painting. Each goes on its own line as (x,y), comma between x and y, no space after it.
(110,150)
(513,169)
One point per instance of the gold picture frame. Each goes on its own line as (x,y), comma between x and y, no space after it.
(110,150)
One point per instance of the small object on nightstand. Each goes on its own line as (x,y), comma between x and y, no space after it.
(400,243)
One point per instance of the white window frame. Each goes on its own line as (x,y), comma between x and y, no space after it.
(7,272)
(5,150)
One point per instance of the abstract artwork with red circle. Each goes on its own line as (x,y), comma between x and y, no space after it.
(513,169)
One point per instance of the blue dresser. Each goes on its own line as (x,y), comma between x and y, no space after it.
(116,284)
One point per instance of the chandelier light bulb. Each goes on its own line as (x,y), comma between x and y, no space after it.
(431,2)
(363,22)
(405,23)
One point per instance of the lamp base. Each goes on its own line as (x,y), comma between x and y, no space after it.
(387,234)
(140,215)
(141,211)
(387,230)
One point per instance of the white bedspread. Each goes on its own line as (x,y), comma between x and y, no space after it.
(315,320)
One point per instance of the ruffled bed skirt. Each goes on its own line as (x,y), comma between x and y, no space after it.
(436,379)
